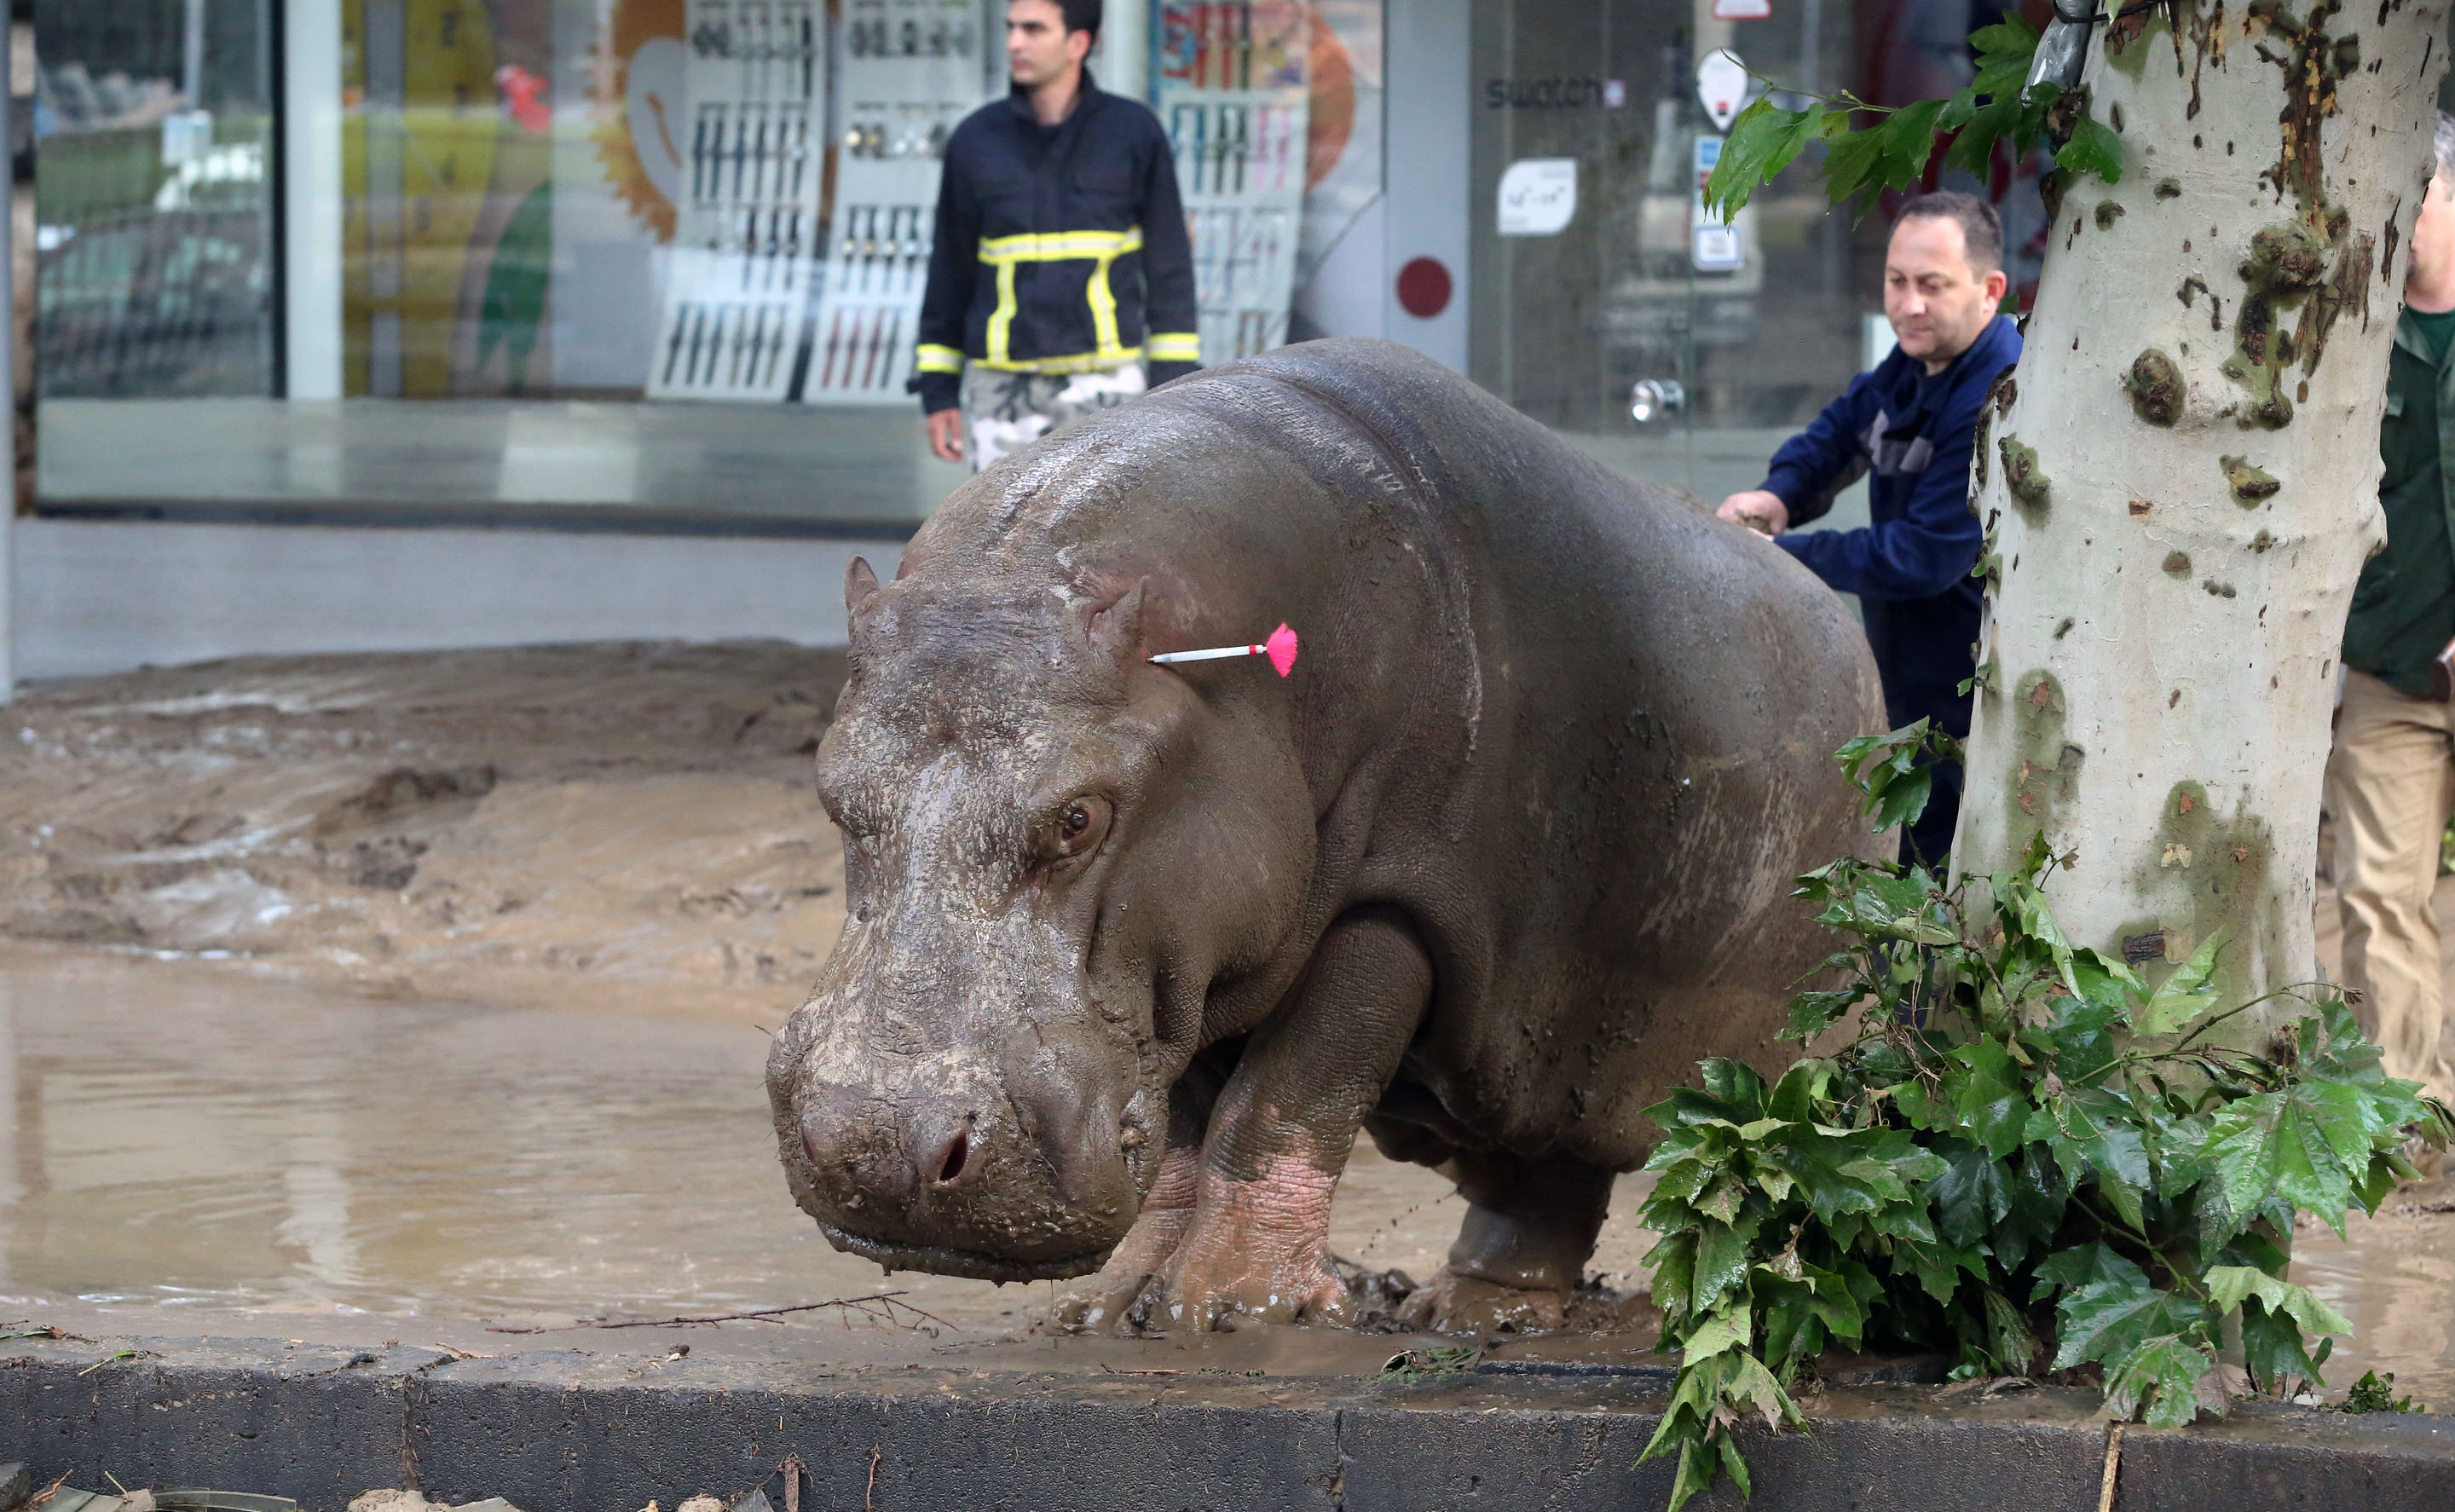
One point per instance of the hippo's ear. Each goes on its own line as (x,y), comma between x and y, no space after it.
(861,586)
(1115,629)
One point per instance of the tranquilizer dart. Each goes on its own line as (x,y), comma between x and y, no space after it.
(1280,648)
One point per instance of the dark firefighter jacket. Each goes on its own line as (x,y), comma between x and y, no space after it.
(1058,248)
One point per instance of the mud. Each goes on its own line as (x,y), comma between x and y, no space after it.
(529,1116)
(540,825)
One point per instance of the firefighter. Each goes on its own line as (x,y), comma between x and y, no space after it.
(1061,278)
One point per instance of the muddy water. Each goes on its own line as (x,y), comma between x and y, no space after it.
(177,1136)
(172,1133)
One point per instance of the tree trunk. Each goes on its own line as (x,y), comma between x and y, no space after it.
(2180,482)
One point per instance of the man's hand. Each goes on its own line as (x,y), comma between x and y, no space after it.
(946,435)
(1760,511)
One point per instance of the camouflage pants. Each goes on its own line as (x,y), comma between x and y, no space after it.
(1007,411)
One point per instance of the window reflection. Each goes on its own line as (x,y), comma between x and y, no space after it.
(153,213)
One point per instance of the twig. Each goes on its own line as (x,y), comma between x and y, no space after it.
(50,1491)
(881,1305)
(2113,1466)
(867,1505)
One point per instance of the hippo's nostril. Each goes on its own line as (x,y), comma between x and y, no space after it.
(950,1165)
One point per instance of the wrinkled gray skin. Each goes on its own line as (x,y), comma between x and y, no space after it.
(1133,950)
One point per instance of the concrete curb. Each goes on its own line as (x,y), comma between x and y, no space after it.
(567,1431)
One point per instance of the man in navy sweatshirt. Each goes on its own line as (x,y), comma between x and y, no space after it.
(1910,423)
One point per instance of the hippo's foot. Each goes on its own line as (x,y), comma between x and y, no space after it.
(1270,1272)
(1455,1303)
(1254,1250)
(1530,1228)
(1117,1300)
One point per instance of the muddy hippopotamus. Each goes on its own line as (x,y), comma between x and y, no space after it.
(1133,950)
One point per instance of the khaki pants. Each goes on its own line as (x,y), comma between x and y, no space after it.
(2390,781)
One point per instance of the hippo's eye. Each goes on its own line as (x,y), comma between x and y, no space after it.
(1077,827)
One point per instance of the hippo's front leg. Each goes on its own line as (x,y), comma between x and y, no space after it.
(1109,1299)
(1257,1243)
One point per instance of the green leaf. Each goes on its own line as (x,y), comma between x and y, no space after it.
(2093,149)
(1853,167)
(1986,125)
(2124,1199)
(1986,1093)
(2161,1374)
(2005,53)
(1802,1090)
(1905,799)
(2188,993)
(2080,1265)
(2105,1318)
(1705,1395)
(1728,1328)
(2273,1348)
(1674,1261)
(1721,1262)
(1735,1086)
(2009,1337)
(2300,1143)
(1973,1193)
(1938,1267)
(1909,141)
(1762,142)
(2229,1286)
(1795,1321)
(1811,1013)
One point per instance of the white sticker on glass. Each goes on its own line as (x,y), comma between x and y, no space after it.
(1538,196)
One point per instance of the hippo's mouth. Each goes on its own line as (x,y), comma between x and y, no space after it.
(939,1261)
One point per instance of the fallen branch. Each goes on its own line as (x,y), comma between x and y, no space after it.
(2113,1468)
(881,1306)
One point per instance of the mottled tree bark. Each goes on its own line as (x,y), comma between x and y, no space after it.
(2180,482)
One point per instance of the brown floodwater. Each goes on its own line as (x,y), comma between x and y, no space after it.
(177,1136)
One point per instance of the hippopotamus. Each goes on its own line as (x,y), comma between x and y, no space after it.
(1133,950)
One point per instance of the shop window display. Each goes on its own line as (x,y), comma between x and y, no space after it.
(660,255)
(153,270)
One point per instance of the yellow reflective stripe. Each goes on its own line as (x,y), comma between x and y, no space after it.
(1078,362)
(1103,301)
(1003,316)
(1059,246)
(938,359)
(1175,346)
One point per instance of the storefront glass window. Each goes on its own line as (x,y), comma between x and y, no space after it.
(645,263)
(154,250)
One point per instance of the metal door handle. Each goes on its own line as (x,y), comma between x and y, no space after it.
(1651,398)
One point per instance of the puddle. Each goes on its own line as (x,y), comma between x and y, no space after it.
(173,1135)
(176,1135)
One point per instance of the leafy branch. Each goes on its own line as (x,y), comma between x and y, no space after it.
(1890,152)
(2024,1156)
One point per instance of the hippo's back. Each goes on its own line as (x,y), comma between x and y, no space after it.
(1661,695)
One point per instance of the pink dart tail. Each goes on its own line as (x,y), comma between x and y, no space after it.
(1281,649)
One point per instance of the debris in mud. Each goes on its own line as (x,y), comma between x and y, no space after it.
(400,1501)
(1410,1366)
(60,1497)
(1374,1296)
(513,824)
